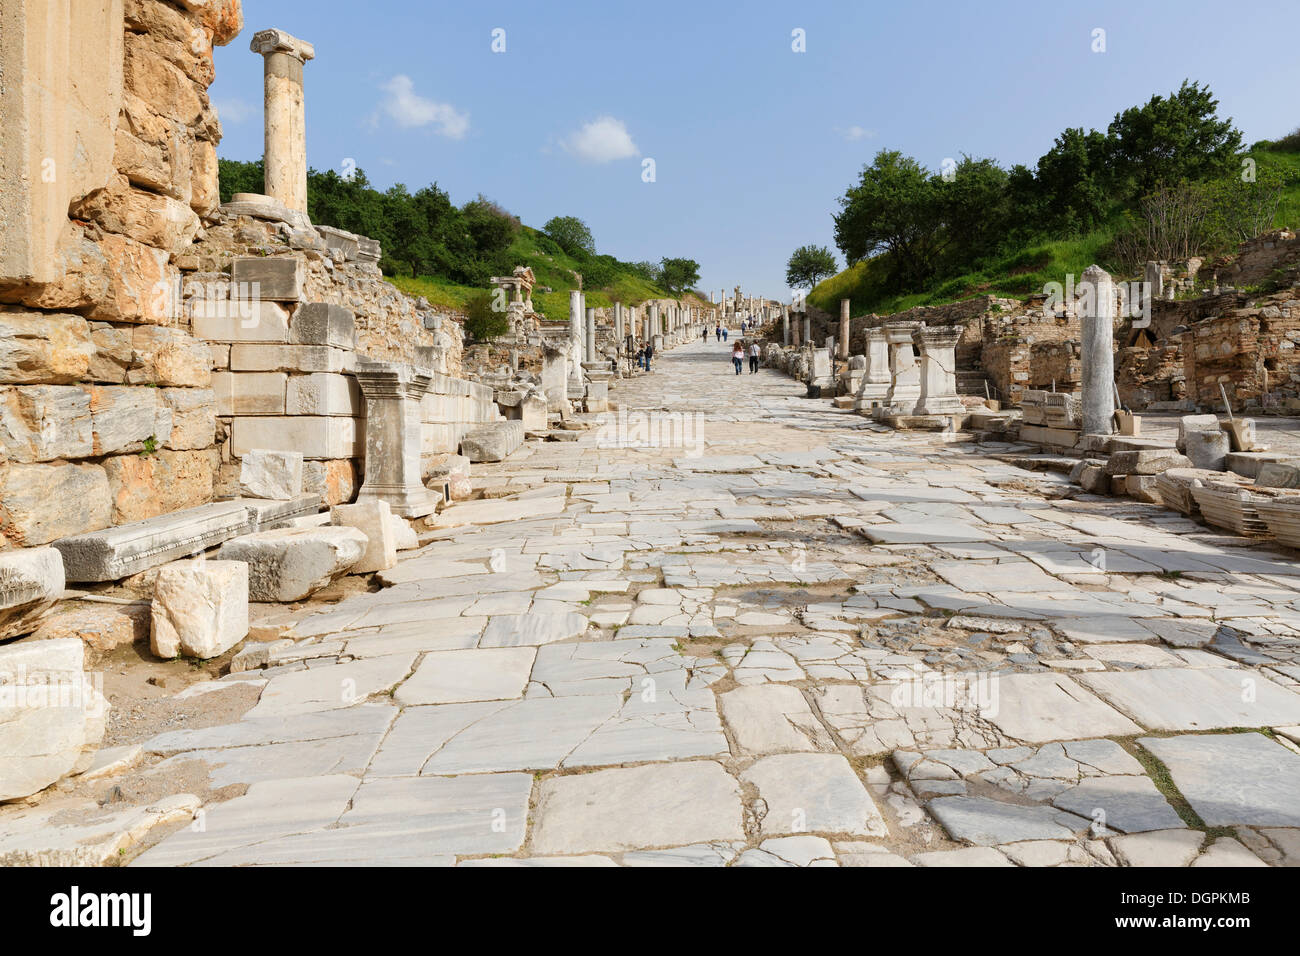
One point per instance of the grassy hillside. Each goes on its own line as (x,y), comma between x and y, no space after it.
(1025,270)
(552,267)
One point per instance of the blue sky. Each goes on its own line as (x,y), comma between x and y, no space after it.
(752,142)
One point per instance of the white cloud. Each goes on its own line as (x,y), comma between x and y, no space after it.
(603,140)
(408,109)
(234,111)
(852,134)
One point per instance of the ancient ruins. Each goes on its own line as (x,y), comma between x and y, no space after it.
(283,550)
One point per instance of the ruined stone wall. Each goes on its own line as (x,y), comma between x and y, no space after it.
(109,172)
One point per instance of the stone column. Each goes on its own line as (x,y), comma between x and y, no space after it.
(938,347)
(1098,353)
(785,325)
(590,347)
(795,337)
(394,435)
(285,122)
(844,328)
(806,338)
(575,326)
(904,374)
(876,377)
(618,325)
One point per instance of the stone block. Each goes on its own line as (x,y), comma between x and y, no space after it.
(318,323)
(31,580)
(374,519)
(290,564)
(492,442)
(1278,475)
(235,320)
(200,608)
(39,348)
(1241,433)
(44,423)
(290,358)
(1193,423)
(404,536)
(193,417)
(123,417)
(115,553)
(267,514)
(113,354)
(51,717)
(278,279)
(144,486)
(323,393)
(1093,478)
(1143,488)
(335,481)
(1145,461)
(271,474)
(250,393)
(1207,449)
(169,357)
(39,503)
(314,436)
(101,627)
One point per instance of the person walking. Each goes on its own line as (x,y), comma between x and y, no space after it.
(753,357)
(717,333)
(706,334)
(649,354)
(724,335)
(738,357)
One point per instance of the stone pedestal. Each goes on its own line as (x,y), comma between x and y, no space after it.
(904,372)
(393,392)
(285,122)
(938,348)
(876,377)
(1098,353)
(555,378)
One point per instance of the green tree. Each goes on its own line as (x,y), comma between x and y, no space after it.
(893,209)
(238,176)
(678,275)
(571,234)
(482,321)
(808,265)
(490,226)
(1072,178)
(1171,139)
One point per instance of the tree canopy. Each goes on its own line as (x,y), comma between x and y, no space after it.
(808,265)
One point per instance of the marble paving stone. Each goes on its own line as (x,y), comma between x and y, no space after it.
(1041,707)
(1158,847)
(986,822)
(1129,804)
(813,792)
(326,688)
(1232,779)
(532,629)
(1196,698)
(790,851)
(772,718)
(636,808)
(453,677)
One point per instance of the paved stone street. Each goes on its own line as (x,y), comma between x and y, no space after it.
(786,636)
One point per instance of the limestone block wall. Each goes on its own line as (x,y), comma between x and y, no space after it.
(107,173)
(451,408)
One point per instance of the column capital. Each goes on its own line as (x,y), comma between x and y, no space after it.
(277,41)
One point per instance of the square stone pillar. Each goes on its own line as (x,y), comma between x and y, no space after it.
(876,377)
(904,373)
(938,347)
(285,121)
(844,328)
(394,435)
(1098,353)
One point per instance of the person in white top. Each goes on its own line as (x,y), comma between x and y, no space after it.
(754,353)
